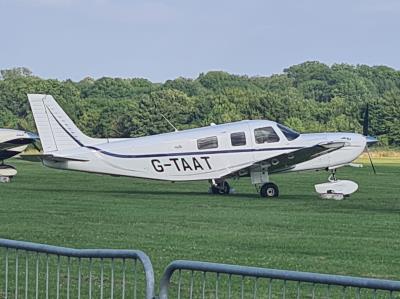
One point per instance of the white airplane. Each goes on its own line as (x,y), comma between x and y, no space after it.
(12,143)
(255,148)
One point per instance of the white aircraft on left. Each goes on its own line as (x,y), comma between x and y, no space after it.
(12,143)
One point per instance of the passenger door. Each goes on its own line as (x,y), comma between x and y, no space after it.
(266,142)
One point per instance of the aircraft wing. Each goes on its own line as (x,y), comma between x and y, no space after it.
(286,161)
(9,144)
(40,157)
(6,146)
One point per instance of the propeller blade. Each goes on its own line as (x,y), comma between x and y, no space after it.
(366,121)
(370,160)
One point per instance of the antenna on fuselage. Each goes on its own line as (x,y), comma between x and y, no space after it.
(176,130)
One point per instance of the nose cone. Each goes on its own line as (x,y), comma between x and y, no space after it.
(358,140)
(371,140)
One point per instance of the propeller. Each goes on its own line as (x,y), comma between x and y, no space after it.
(366,121)
(370,159)
(370,140)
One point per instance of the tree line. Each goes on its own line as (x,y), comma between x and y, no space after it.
(309,97)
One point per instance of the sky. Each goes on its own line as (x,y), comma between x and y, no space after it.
(162,40)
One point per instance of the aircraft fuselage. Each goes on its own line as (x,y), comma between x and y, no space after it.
(179,156)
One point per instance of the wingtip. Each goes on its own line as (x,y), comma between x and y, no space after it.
(33,136)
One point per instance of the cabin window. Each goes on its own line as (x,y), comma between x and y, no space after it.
(289,133)
(207,143)
(238,138)
(265,135)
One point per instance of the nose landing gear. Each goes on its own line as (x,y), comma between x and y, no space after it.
(332,177)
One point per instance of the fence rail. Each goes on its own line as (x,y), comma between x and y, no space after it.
(299,278)
(75,271)
(31,270)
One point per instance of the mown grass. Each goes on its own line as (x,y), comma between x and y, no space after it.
(298,231)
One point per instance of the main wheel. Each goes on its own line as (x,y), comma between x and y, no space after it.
(226,188)
(269,190)
(221,188)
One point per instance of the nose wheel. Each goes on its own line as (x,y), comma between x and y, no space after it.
(269,190)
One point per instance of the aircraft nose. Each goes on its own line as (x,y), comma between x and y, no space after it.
(358,140)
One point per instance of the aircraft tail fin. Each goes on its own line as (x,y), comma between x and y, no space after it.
(56,130)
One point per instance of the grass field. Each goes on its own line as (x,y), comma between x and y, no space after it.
(298,231)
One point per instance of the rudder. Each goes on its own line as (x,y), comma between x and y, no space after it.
(56,130)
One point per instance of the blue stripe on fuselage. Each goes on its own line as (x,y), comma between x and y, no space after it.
(189,153)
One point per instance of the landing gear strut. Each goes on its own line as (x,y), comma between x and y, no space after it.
(221,187)
(5,179)
(260,179)
(332,177)
(269,190)
(6,172)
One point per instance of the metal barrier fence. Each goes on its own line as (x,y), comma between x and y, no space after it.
(32,270)
(209,280)
(42,271)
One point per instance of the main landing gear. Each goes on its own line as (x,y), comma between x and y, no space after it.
(260,179)
(266,189)
(269,190)
(219,187)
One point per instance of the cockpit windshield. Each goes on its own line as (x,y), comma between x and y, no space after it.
(289,133)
